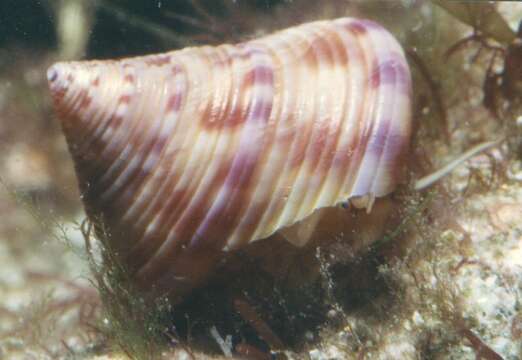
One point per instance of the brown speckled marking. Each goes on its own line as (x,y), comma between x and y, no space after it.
(321,46)
(174,102)
(176,69)
(356,28)
(159,144)
(340,58)
(303,136)
(337,46)
(117,120)
(86,101)
(310,57)
(157,60)
(124,99)
(367,25)
(234,114)
(321,132)
(259,75)
(129,78)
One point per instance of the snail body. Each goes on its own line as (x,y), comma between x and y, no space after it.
(196,152)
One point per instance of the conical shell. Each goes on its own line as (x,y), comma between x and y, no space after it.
(192,152)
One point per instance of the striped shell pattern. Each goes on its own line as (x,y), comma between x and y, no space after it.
(195,151)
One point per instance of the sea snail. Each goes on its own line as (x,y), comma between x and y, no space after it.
(197,152)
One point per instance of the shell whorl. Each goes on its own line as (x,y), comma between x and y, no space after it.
(210,148)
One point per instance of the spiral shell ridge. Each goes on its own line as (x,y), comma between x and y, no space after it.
(216,147)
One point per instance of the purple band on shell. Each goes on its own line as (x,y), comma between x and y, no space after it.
(362,26)
(392,71)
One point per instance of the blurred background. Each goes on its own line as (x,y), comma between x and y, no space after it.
(466,92)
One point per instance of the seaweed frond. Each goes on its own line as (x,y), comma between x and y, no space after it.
(139,327)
